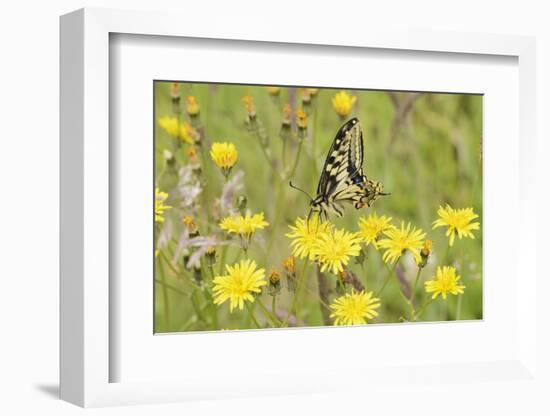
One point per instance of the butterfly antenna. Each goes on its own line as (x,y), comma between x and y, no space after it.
(299,189)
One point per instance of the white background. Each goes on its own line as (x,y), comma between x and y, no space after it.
(29,174)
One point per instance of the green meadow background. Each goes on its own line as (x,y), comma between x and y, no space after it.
(424,148)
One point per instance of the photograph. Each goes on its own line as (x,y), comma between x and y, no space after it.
(303,206)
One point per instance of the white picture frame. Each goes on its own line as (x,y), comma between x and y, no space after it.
(86,353)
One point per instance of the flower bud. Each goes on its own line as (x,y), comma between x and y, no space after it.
(273,91)
(193,109)
(289,264)
(301,122)
(175,95)
(274,282)
(241,204)
(191,226)
(210,256)
(425,253)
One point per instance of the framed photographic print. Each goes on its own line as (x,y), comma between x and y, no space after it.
(279,214)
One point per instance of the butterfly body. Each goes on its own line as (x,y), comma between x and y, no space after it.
(342,179)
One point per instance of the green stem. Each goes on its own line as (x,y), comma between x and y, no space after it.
(177,272)
(458,307)
(212,307)
(173,288)
(271,316)
(165,297)
(296,295)
(251,314)
(423,307)
(295,165)
(459,300)
(222,259)
(388,277)
(274,305)
(413,294)
(196,306)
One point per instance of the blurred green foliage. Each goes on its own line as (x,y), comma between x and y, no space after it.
(424,148)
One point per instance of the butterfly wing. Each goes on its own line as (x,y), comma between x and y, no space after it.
(344,157)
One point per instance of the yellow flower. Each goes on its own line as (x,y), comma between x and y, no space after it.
(187,133)
(224,156)
(240,282)
(354,308)
(172,126)
(372,227)
(305,234)
(193,108)
(400,240)
(273,90)
(244,226)
(334,248)
(458,222)
(160,197)
(342,103)
(444,282)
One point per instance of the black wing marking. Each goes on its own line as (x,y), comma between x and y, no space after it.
(342,158)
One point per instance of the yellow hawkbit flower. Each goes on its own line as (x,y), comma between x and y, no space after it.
(273,90)
(160,197)
(354,308)
(193,108)
(444,282)
(342,103)
(372,227)
(244,226)
(224,156)
(301,119)
(400,240)
(289,264)
(458,222)
(304,235)
(170,125)
(174,128)
(334,248)
(239,284)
